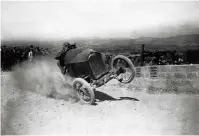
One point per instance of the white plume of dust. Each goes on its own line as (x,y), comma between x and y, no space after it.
(44,77)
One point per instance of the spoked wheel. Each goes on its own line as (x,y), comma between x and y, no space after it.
(84,91)
(124,68)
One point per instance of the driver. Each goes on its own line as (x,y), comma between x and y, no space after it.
(60,56)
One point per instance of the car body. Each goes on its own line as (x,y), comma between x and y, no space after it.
(90,70)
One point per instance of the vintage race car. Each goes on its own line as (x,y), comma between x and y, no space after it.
(90,70)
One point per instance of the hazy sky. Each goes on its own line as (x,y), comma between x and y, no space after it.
(64,19)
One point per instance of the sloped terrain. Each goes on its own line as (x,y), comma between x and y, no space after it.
(34,101)
(178,42)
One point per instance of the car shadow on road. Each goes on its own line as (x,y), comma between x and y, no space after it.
(100,96)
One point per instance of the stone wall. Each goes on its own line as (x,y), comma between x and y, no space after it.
(162,71)
(167,78)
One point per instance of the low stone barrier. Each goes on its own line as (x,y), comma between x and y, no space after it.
(167,78)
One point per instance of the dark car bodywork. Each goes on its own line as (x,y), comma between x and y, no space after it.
(86,63)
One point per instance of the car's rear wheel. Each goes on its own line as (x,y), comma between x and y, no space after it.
(124,67)
(84,91)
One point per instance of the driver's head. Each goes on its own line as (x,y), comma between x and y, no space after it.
(66,45)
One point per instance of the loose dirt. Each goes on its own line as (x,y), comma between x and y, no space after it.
(35,101)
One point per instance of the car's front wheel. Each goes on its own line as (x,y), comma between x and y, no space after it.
(84,91)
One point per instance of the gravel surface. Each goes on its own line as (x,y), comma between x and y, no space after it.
(133,112)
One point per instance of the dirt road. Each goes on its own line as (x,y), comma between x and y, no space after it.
(28,112)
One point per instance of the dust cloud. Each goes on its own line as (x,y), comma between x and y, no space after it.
(43,77)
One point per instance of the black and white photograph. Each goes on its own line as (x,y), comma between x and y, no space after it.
(99,67)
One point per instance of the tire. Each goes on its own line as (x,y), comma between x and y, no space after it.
(87,88)
(128,64)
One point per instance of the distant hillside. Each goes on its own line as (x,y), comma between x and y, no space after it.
(180,42)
